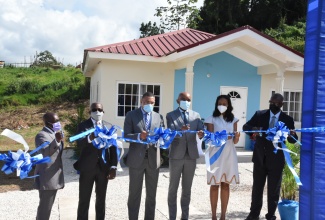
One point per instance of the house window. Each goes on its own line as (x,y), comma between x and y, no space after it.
(129,96)
(292,104)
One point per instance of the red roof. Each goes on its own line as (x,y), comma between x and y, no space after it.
(158,45)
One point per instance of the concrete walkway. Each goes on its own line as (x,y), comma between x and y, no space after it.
(23,204)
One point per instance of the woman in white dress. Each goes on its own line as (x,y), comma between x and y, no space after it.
(227,165)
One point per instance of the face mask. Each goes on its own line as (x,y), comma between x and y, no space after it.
(57,126)
(184,105)
(97,116)
(222,108)
(148,108)
(274,109)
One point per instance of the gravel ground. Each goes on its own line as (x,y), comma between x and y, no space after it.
(22,205)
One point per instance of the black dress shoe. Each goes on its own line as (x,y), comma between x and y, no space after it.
(252,218)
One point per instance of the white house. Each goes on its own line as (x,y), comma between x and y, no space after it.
(243,63)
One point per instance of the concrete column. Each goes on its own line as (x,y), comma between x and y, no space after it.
(189,75)
(279,81)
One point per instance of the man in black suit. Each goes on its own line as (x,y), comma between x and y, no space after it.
(92,167)
(267,164)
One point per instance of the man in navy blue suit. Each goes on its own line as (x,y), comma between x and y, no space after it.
(267,164)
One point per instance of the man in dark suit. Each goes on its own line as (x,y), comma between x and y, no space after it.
(183,153)
(50,177)
(92,167)
(142,158)
(267,164)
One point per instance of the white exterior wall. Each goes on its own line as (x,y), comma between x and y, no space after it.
(113,71)
(293,81)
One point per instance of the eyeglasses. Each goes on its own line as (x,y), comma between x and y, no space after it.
(96,109)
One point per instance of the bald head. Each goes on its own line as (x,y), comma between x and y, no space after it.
(50,118)
(184,96)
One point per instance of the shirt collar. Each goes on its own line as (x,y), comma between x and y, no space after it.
(181,110)
(144,112)
(95,122)
(276,115)
(49,129)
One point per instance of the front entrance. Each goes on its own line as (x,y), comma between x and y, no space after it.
(238,96)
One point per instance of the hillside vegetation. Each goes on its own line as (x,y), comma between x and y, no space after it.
(41,85)
(27,93)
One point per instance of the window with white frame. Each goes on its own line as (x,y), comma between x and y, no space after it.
(292,104)
(129,96)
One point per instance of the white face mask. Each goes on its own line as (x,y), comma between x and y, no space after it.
(184,105)
(222,108)
(97,116)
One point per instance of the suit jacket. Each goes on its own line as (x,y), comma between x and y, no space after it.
(90,156)
(50,174)
(188,140)
(264,148)
(133,125)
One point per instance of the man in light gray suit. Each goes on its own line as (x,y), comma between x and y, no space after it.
(142,158)
(50,177)
(183,153)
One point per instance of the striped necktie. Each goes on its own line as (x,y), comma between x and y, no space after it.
(147,121)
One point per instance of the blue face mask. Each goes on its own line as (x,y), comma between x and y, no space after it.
(148,108)
(184,105)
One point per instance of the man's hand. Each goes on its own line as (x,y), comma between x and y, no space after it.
(112,174)
(58,136)
(185,127)
(143,135)
(200,133)
(92,136)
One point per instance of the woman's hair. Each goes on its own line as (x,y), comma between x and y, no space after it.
(228,115)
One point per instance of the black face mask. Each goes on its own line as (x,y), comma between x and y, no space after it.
(274,108)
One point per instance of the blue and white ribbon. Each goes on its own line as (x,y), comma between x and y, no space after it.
(106,138)
(217,140)
(21,161)
(81,135)
(277,135)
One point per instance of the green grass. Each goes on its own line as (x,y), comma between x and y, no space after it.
(27,93)
(32,86)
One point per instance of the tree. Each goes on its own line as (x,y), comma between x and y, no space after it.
(292,36)
(45,59)
(150,29)
(220,16)
(180,15)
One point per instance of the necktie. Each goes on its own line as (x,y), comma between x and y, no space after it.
(272,123)
(147,121)
(185,118)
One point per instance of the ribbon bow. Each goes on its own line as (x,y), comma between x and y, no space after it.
(279,134)
(21,161)
(162,137)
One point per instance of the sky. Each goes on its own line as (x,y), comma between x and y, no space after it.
(67,27)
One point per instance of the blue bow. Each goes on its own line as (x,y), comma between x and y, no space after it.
(162,136)
(22,161)
(105,138)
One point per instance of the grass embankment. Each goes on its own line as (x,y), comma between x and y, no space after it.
(27,93)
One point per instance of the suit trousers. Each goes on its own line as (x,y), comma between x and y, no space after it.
(274,178)
(46,200)
(184,168)
(135,190)
(86,182)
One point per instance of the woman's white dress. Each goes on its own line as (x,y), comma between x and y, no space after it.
(227,163)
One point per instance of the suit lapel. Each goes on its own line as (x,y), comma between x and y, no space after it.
(139,117)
